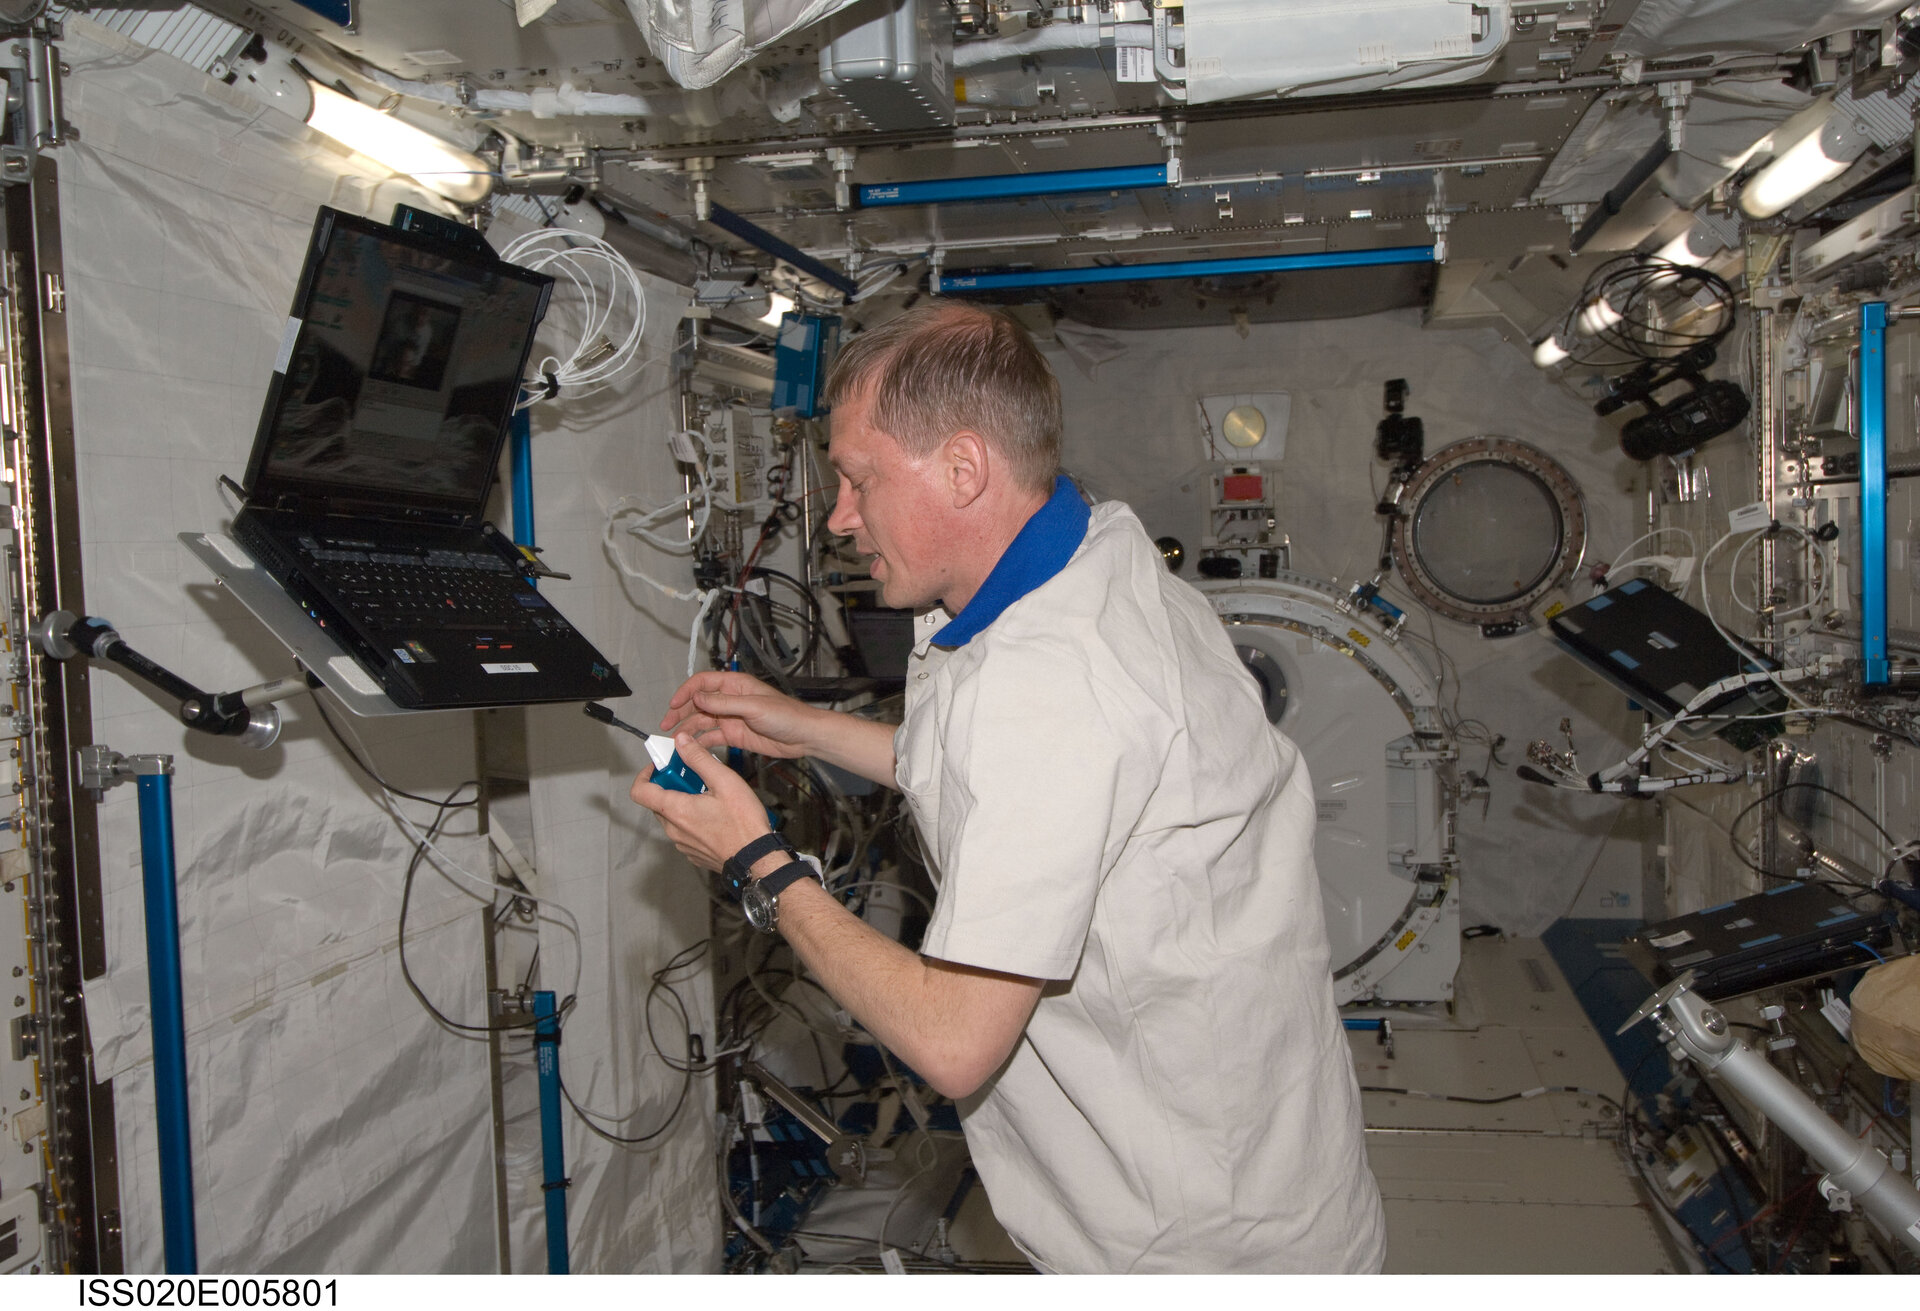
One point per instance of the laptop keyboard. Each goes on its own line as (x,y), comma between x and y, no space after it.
(432,588)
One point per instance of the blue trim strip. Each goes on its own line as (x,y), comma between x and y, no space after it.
(1759,942)
(169,1024)
(1193,268)
(1873,492)
(1038,551)
(755,235)
(1832,920)
(520,462)
(1007,186)
(553,1158)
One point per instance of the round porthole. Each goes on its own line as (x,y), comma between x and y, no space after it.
(1244,427)
(1487,528)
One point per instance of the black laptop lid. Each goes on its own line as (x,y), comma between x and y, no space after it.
(398,374)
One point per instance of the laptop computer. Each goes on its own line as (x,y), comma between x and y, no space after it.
(377,448)
(1662,652)
(1795,931)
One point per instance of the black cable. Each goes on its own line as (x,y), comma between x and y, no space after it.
(368,769)
(406,900)
(1740,854)
(1618,1109)
(680,960)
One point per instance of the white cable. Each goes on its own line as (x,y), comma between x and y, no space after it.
(598,275)
(1706,604)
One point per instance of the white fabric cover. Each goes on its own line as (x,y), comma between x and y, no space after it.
(1245,48)
(1670,29)
(1108,807)
(1723,124)
(335,1127)
(701,41)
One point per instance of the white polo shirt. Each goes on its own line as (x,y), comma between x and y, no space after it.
(1107,807)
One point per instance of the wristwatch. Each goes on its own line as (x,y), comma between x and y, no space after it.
(739,866)
(760,899)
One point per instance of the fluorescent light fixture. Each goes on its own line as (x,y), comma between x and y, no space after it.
(1682,250)
(778,307)
(1806,164)
(437,165)
(1597,317)
(1549,352)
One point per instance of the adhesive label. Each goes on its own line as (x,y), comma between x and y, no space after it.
(1359,637)
(1405,940)
(349,673)
(285,357)
(1668,941)
(1749,518)
(517,668)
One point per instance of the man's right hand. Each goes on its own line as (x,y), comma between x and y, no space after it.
(721,707)
(726,708)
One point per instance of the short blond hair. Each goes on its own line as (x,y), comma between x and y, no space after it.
(937,369)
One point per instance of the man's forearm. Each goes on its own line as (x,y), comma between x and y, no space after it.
(860,746)
(953,1026)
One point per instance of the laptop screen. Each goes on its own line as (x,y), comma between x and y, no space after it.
(398,384)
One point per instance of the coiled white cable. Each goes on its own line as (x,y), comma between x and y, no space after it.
(609,292)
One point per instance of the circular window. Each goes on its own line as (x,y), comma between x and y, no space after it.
(1489,527)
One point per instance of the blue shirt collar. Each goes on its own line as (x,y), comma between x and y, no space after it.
(1040,550)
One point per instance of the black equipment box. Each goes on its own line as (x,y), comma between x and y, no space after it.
(1662,652)
(1796,931)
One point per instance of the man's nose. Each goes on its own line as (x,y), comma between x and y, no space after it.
(844,519)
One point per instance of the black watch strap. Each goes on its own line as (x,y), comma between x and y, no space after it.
(786,876)
(739,866)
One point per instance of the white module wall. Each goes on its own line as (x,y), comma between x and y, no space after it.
(335,1126)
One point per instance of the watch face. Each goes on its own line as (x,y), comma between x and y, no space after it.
(759,905)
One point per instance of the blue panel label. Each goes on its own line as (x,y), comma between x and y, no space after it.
(1760,942)
(1623,659)
(1600,603)
(1628,589)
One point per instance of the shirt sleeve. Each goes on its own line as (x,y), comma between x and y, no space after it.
(1037,797)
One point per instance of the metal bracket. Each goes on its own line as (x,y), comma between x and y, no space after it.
(102,768)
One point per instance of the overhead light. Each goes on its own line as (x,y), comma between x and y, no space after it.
(1597,317)
(1694,248)
(438,165)
(778,307)
(1815,159)
(1550,351)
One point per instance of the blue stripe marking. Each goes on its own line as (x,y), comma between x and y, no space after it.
(1009,186)
(1714,910)
(1841,918)
(1194,268)
(1785,887)
(1629,588)
(1600,603)
(1873,492)
(1760,942)
(1623,659)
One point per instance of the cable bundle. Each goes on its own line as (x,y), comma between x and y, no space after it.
(1641,309)
(610,295)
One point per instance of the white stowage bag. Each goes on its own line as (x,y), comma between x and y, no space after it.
(701,41)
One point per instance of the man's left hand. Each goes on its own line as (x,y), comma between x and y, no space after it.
(708,828)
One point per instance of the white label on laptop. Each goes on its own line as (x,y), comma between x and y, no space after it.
(1667,942)
(343,668)
(285,357)
(521,668)
(403,655)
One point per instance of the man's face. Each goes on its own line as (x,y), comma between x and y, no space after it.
(892,507)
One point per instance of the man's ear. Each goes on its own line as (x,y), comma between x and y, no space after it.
(969,466)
